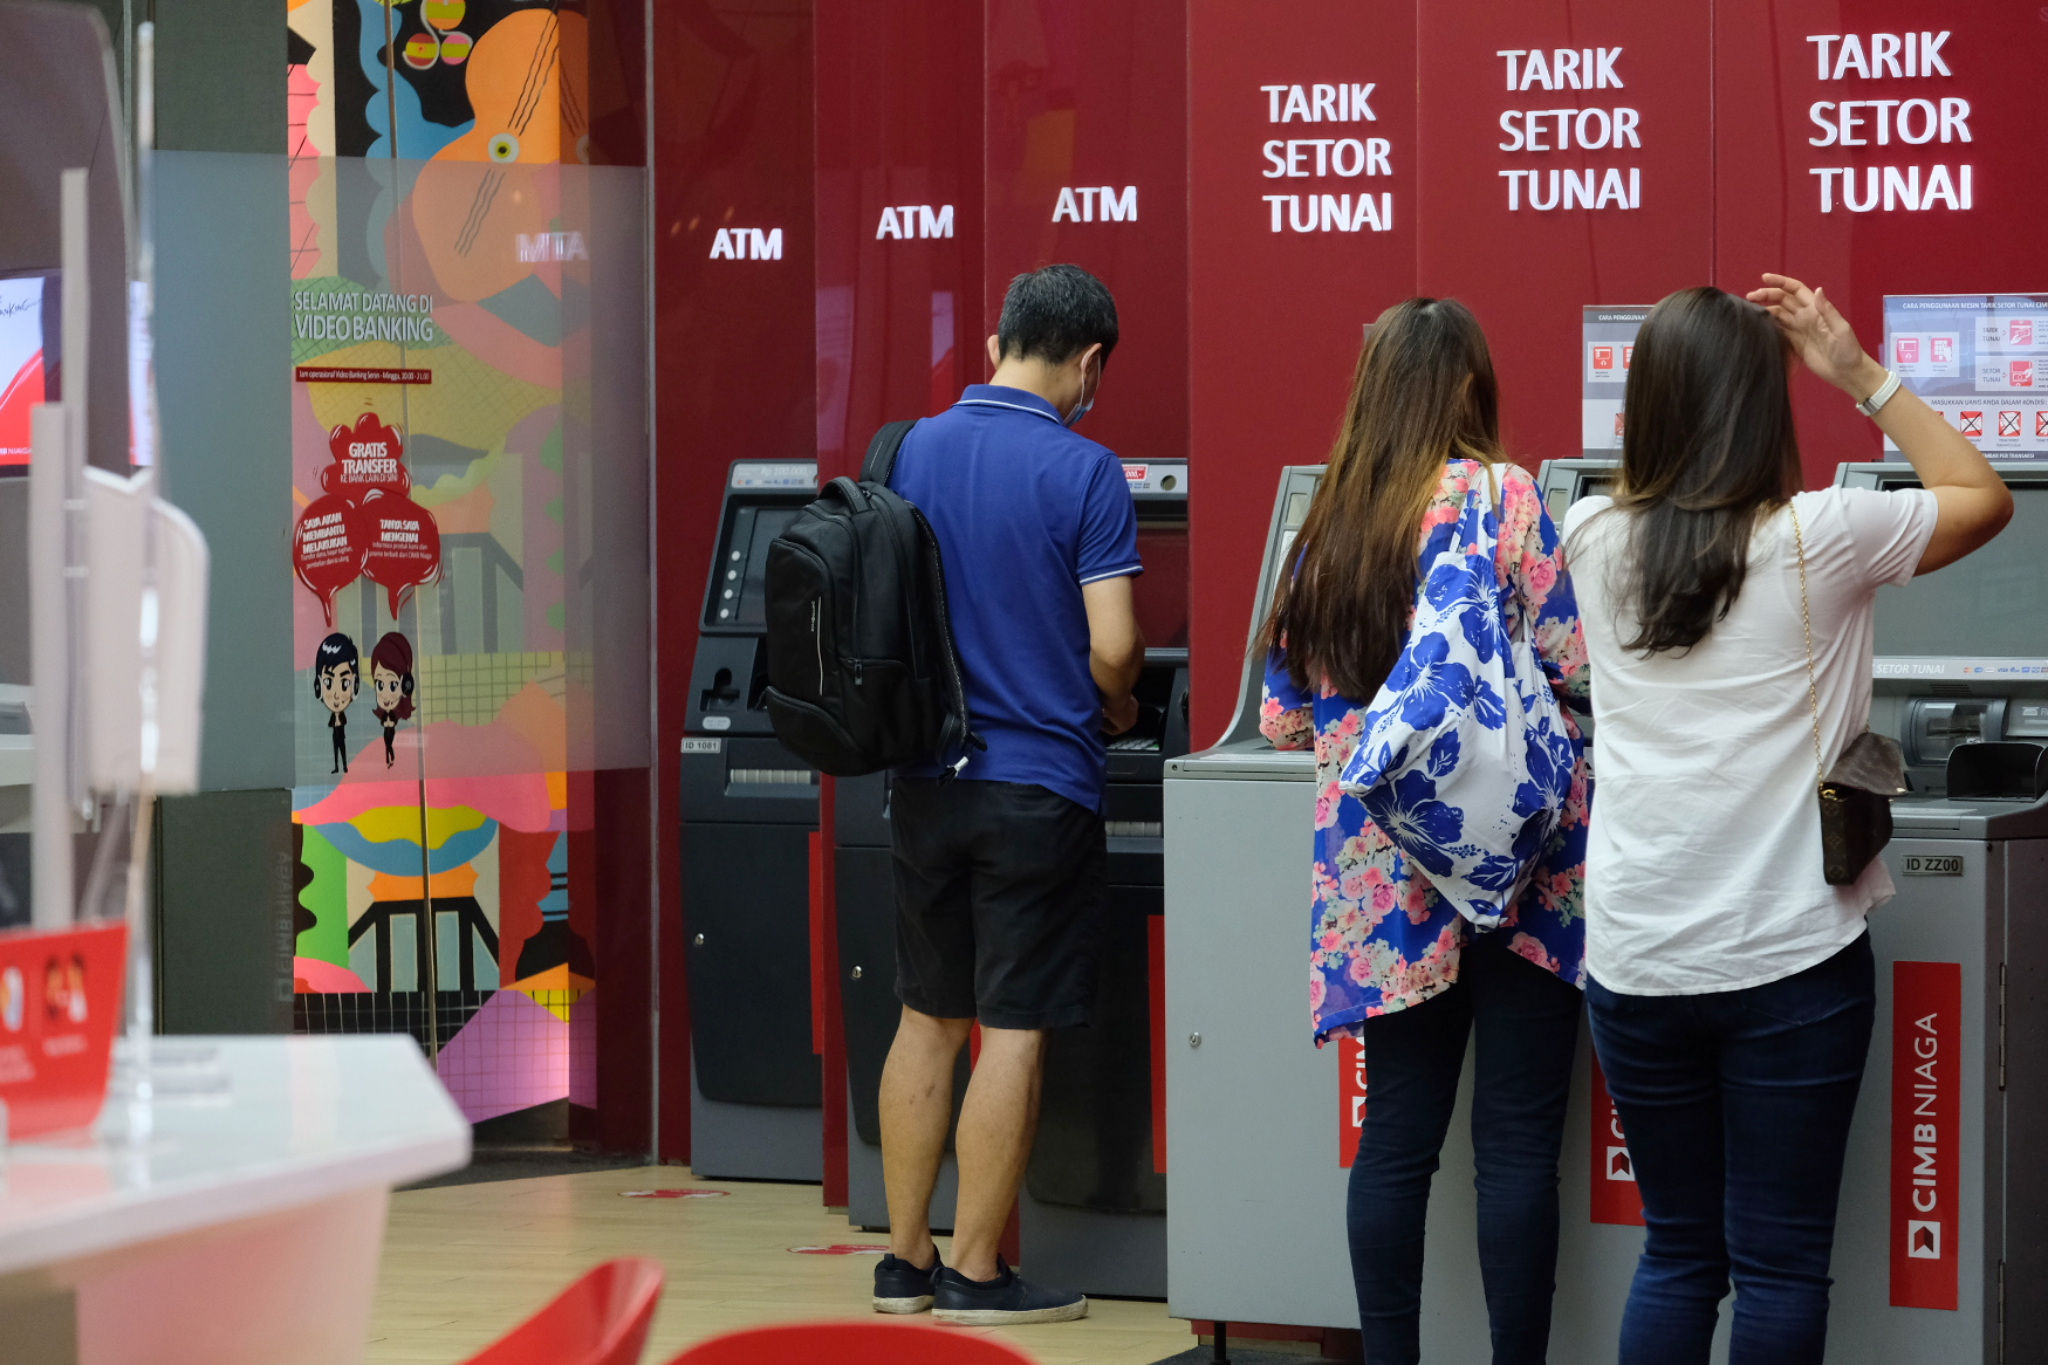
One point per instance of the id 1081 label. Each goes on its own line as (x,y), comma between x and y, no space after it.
(1932,864)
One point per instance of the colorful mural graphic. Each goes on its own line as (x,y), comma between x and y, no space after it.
(439,284)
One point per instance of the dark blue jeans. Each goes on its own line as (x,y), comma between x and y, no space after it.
(1527,1022)
(1737,1106)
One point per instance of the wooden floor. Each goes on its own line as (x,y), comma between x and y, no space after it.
(465,1262)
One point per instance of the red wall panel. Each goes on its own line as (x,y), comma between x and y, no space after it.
(1085,97)
(899,290)
(1527,271)
(1768,201)
(1276,317)
(735,366)
(899,215)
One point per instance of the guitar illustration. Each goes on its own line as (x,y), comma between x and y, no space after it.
(487,207)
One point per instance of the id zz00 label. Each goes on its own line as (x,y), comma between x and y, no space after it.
(1931,865)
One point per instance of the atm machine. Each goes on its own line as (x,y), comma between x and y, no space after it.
(1943,1243)
(1093,1207)
(749,810)
(1092,1212)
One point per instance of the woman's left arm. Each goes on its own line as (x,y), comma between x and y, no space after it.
(1543,587)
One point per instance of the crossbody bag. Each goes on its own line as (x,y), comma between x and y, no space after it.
(1855,795)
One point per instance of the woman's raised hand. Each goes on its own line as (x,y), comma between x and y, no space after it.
(1825,342)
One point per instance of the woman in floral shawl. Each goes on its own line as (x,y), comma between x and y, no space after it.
(1391,962)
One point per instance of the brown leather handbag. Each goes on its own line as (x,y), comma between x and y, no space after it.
(1856,794)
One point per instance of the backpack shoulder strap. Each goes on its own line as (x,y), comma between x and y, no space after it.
(881,457)
(959,735)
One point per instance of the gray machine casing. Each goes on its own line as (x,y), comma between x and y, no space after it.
(1256,1230)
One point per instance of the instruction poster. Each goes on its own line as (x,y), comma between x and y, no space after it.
(1980,360)
(1607,348)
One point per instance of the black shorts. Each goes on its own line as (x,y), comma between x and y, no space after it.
(1000,894)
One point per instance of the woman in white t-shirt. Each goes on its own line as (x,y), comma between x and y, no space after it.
(1731,987)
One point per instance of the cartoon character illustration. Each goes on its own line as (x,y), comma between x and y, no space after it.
(391,682)
(335,681)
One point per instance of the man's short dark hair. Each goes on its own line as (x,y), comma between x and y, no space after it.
(1056,313)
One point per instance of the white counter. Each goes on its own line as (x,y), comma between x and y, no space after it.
(249,1224)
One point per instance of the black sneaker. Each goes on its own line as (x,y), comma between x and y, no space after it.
(901,1287)
(1006,1301)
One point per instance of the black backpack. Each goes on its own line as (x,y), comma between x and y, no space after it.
(862,672)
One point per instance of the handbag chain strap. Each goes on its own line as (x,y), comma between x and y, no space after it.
(1820,772)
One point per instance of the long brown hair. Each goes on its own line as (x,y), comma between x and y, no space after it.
(1423,394)
(1707,451)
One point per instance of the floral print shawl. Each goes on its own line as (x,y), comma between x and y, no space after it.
(1382,939)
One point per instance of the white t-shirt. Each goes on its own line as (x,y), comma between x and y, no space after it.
(1703,867)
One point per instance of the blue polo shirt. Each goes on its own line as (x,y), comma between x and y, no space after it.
(1026,511)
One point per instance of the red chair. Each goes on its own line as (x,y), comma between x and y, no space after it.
(601,1319)
(852,1343)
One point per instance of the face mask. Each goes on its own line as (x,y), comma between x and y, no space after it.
(1081,408)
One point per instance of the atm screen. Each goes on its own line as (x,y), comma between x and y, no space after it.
(1991,605)
(21,363)
(754,530)
(1161,592)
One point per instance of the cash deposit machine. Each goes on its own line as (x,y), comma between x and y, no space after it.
(1093,1208)
(1939,1250)
(1942,1249)
(749,809)
(1939,1254)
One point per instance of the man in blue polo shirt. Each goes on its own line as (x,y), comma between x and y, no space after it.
(1000,874)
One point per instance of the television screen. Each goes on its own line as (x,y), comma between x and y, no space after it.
(21,363)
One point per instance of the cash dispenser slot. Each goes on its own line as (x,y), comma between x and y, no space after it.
(1936,726)
(2012,770)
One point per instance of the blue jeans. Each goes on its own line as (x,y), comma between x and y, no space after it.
(1528,1030)
(1737,1106)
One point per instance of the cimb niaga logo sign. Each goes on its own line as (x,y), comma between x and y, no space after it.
(1614,1196)
(1923,1241)
(1927,1057)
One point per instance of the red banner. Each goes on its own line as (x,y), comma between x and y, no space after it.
(1927,1093)
(365,521)
(60,1005)
(1350,1099)
(1615,1197)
